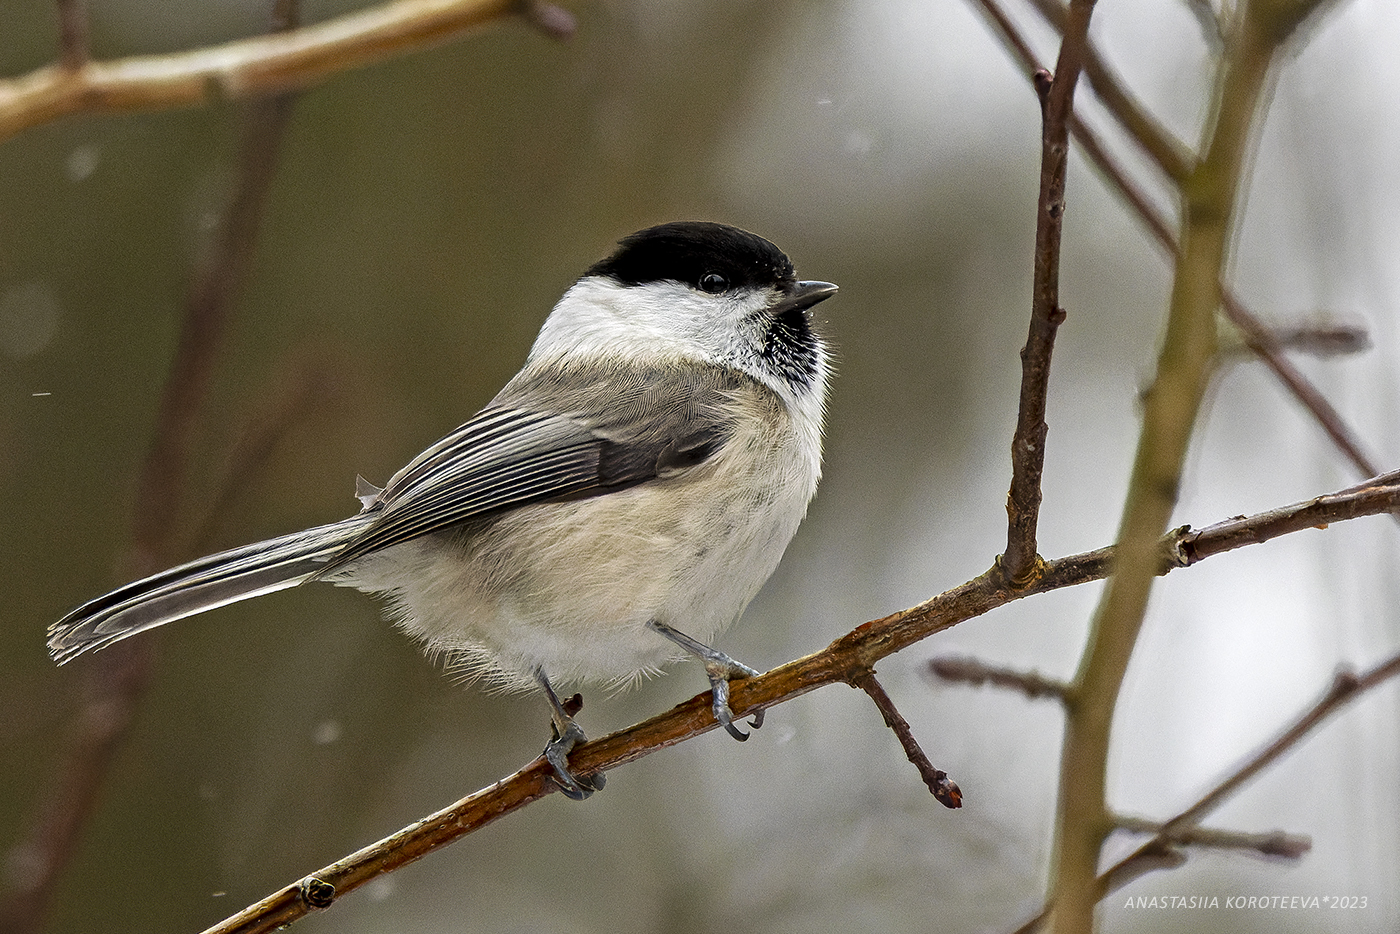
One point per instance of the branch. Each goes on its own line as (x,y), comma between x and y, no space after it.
(959,669)
(1273,843)
(1170,411)
(1255,333)
(114,683)
(1172,156)
(1020,561)
(72,34)
(1182,829)
(943,788)
(844,661)
(244,68)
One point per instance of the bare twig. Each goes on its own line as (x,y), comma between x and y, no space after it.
(1020,561)
(241,69)
(73,48)
(965,670)
(841,662)
(943,788)
(1263,342)
(1274,843)
(1317,336)
(1172,156)
(1182,829)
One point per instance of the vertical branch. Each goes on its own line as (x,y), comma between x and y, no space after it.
(74,50)
(1170,410)
(1021,563)
(113,682)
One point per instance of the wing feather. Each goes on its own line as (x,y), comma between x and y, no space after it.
(508,455)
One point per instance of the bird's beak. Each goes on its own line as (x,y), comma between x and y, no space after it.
(802,296)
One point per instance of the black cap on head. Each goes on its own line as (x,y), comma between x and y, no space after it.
(690,251)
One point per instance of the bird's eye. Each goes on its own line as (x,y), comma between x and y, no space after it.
(713,283)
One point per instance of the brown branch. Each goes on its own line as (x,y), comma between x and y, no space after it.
(1021,562)
(841,662)
(1172,156)
(965,670)
(1274,843)
(73,47)
(243,68)
(1257,335)
(1263,342)
(943,788)
(114,683)
(1181,829)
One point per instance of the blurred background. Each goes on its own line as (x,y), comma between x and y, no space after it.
(425,215)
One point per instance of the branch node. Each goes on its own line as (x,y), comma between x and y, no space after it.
(316,893)
(1043,81)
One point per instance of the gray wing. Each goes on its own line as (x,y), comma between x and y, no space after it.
(506,456)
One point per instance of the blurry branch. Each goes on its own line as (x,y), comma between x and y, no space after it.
(1170,410)
(1322,338)
(260,65)
(972,671)
(1258,337)
(293,396)
(1170,154)
(208,309)
(1182,829)
(113,683)
(944,789)
(1273,843)
(845,661)
(1020,561)
(72,34)
(1263,342)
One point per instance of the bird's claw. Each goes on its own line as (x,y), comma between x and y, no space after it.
(557,750)
(721,669)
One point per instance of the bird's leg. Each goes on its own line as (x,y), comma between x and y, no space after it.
(567,735)
(720,669)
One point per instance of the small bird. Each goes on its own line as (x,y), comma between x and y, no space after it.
(624,496)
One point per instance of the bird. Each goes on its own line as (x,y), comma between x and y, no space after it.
(612,510)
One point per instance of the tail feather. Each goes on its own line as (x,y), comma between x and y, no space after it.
(202,584)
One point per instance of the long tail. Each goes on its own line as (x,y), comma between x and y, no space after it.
(203,584)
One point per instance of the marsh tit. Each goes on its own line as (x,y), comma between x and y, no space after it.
(624,496)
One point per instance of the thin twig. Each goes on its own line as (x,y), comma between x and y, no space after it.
(966,670)
(1021,562)
(1171,155)
(73,43)
(243,68)
(1263,342)
(1346,686)
(1274,843)
(842,661)
(943,788)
